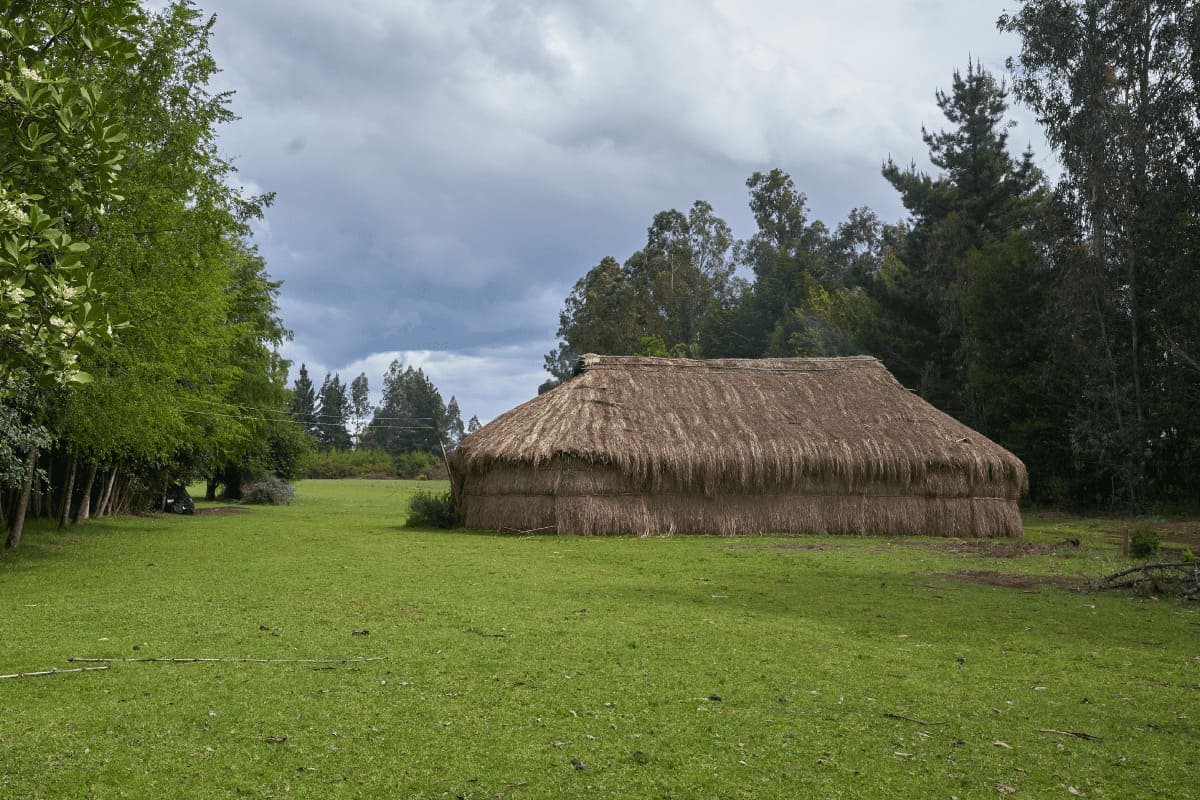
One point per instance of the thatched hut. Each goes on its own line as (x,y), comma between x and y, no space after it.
(804,445)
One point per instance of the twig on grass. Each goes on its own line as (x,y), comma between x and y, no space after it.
(51,672)
(910,719)
(1074,734)
(529,530)
(486,635)
(226,660)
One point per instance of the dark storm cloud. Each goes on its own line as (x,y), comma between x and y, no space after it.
(446,170)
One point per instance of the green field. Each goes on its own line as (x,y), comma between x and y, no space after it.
(664,667)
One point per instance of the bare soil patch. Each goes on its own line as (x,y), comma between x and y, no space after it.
(220,510)
(997,548)
(993,578)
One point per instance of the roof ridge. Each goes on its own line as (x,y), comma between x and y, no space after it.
(793,364)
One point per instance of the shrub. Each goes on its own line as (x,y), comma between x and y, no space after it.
(268,490)
(365,463)
(1143,543)
(429,510)
(419,465)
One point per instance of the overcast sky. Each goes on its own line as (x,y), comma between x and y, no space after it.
(447,170)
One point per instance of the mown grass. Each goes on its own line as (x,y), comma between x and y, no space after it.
(508,658)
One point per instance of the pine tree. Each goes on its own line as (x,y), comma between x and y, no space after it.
(304,401)
(332,411)
(360,405)
(454,424)
(982,196)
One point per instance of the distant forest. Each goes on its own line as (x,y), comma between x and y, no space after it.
(1061,319)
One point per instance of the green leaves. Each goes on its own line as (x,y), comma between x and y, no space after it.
(61,153)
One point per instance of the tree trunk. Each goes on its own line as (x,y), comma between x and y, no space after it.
(39,492)
(210,490)
(64,514)
(18,525)
(102,509)
(85,502)
(126,497)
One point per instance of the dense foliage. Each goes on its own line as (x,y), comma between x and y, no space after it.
(1060,320)
(140,326)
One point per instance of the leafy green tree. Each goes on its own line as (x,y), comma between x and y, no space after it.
(473,424)
(60,159)
(1115,85)
(195,385)
(61,150)
(185,388)
(412,416)
(779,314)
(602,314)
(683,275)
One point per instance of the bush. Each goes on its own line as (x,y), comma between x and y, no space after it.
(419,465)
(366,463)
(1143,543)
(268,490)
(429,510)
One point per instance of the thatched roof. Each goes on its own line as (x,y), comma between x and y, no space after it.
(750,425)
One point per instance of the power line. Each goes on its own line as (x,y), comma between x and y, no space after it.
(306,424)
(289,413)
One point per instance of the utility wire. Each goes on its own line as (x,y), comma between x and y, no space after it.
(307,424)
(279,411)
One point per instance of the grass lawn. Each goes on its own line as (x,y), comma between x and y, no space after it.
(552,667)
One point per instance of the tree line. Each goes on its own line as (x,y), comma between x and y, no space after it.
(1060,318)
(139,329)
(405,434)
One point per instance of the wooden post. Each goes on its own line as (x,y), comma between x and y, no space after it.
(450,475)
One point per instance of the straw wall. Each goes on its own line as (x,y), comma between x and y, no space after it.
(647,445)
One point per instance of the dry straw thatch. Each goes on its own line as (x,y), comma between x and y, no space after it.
(731,446)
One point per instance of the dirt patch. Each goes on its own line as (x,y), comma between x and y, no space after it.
(220,510)
(1184,533)
(750,546)
(999,548)
(992,578)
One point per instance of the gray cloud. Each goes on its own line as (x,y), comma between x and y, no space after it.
(446,169)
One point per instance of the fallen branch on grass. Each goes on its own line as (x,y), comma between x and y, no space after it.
(910,719)
(1181,579)
(227,660)
(51,672)
(1074,734)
